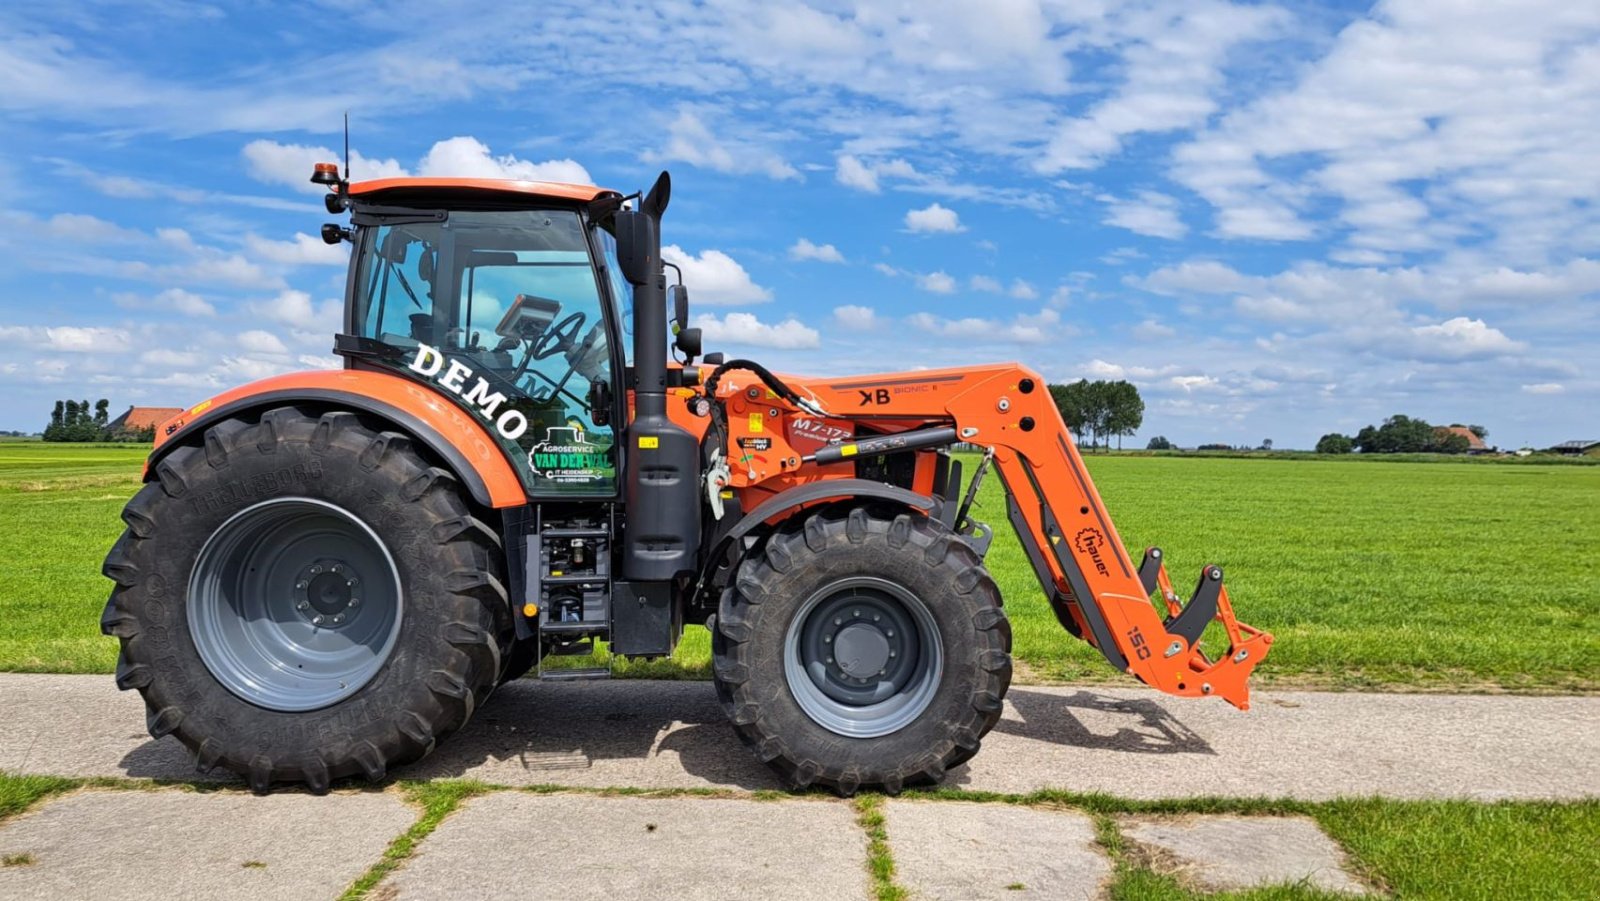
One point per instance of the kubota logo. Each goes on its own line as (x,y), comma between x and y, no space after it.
(429,361)
(1091,542)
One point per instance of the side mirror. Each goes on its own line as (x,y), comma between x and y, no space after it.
(638,245)
(679,295)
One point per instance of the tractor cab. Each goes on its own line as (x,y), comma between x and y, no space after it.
(506,296)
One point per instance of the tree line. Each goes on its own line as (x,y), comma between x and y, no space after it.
(1401,434)
(1099,409)
(74,420)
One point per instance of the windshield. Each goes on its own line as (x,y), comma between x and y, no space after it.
(502,309)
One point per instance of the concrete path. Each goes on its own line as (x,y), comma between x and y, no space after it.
(1129,742)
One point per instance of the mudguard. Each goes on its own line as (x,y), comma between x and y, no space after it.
(444,428)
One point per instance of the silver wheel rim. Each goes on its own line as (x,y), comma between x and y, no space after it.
(863,657)
(294,604)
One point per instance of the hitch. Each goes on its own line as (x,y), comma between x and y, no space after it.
(1185,623)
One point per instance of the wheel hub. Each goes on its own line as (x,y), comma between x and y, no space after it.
(327,593)
(861,650)
(863,656)
(294,604)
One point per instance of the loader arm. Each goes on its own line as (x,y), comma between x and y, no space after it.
(1094,586)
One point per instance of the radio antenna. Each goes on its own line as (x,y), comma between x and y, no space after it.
(346,145)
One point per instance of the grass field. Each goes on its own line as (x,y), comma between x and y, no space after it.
(1445,576)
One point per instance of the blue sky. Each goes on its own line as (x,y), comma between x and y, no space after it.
(1278,221)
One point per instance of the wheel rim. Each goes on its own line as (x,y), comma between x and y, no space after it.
(863,657)
(294,604)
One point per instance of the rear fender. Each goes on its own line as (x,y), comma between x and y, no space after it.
(444,428)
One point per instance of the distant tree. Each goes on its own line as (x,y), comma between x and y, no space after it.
(1335,443)
(1125,410)
(1159,442)
(1266,444)
(1480,431)
(1071,401)
(102,412)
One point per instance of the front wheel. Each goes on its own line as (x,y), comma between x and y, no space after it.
(862,651)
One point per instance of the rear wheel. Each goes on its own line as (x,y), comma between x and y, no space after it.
(302,598)
(862,651)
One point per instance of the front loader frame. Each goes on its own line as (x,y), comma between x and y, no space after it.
(1094,587)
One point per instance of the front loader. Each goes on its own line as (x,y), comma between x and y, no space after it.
(327,572)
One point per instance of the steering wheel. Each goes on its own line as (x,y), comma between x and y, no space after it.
(557,338)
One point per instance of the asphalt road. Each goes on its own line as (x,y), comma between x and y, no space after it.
(1129,742)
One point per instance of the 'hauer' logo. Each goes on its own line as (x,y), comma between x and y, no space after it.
(1091,542)
(429,361)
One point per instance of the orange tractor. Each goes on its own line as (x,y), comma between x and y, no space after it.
(326,573)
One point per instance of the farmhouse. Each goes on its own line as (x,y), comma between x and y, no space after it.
(139,418)
(1475,444)
(1576,448)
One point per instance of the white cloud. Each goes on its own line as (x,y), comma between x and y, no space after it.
(863,175)
(933,219)
(1544,388)
(803,249)
(91,340)
(462,156)
(1023,329)
(1150,213)
(295,309)
(261,342)
(936,282)
(1422,123)
(174,300)
(714,278)
(1022,290)
(985,284)
(856,317)
(746,329)
(467,157)
(690,140)
(1151,330)
(301,250)
(291,164)
(1463,338)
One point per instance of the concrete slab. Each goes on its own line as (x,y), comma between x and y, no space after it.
(1219,853)
(114,845)
(589,848)
(956,851)
(1130,742)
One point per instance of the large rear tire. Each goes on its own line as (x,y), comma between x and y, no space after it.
(303,598)
(862,650)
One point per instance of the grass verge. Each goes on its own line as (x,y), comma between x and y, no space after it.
(437,801)
(880,860)
(18,793)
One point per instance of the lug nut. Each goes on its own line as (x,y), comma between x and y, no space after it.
(316,570)
(338,617)
(891,633)
(302,606)
(337,568)
(301,585)
(316,620)
(354,602)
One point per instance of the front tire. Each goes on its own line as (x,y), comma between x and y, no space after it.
(862,651)
(303,598)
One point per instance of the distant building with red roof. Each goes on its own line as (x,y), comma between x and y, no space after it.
(140,418)
(1475,444)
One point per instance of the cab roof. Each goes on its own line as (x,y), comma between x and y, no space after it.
(553,190)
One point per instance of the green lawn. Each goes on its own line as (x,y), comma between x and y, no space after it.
(1447,576)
